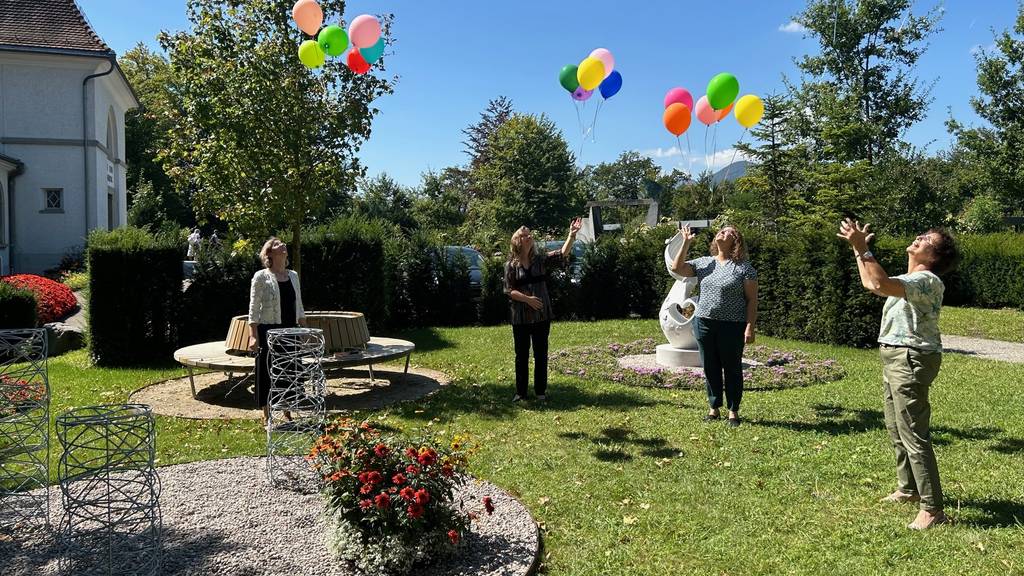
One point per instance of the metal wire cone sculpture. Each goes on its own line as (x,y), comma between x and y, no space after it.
(24,429)
(110,491)
(296,400)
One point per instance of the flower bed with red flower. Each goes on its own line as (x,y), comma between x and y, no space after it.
(774,368)
(390,500)
(17,394)
(53,299)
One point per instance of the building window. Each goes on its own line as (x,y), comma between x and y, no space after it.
(53,199)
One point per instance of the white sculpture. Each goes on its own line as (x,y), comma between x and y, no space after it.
(676,315)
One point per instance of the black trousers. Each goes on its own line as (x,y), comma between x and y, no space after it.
(263,363)
(721,351)
(523,335)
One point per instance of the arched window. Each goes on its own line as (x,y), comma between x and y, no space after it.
(112,144)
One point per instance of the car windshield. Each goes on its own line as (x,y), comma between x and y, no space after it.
(471,255)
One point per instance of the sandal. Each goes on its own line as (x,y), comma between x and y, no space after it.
(899,497)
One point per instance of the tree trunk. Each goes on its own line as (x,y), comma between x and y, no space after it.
(297,247)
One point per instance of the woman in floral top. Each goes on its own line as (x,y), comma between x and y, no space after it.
(911,350)
(530,304)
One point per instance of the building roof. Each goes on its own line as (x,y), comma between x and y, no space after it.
(48,25)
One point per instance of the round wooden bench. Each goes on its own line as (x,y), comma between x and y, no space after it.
(214,356)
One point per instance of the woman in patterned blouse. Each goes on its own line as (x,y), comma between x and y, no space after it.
(530,305)
(726,314)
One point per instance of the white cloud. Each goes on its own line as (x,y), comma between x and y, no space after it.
(978,48)
(723,158)
(659,152)
(694,162)
(793,27)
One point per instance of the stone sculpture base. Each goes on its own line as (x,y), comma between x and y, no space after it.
(671,357)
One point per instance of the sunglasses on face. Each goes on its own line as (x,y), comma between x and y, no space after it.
(926,238)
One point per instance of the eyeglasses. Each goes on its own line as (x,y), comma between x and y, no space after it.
(926,238)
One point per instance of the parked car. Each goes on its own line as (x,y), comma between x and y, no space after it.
(473,260)
(578,248)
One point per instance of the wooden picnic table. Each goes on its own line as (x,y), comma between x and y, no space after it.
(214,356)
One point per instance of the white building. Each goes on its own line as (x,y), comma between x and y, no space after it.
(62,105)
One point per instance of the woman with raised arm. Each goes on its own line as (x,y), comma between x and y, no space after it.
(911,348)
(526,274)
(726,316)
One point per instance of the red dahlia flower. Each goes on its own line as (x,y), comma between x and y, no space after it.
(453,536)
(407,493)
(415,510)
(422,496)
(398,479)
(382,500)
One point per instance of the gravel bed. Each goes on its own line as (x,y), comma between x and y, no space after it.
(649,361)
(983,348)
(220,517)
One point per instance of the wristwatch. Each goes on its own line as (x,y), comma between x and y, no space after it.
(865,254)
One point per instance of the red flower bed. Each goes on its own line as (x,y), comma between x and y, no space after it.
(53,299)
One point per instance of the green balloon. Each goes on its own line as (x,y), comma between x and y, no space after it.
(723,90)
(311,54)
(567,78)
(333,40)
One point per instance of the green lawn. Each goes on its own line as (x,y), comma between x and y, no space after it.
(630,481)
(1005,324)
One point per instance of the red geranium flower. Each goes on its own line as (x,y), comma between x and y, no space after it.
(382,500)
(364,477)
(422,496)
(411,453)
(407,493)
(381,450)
(427,457)
(375,477)
(366,489)
(488,505)
(412,470)
(398,479)
(415,510)
(453,536)
(366,504)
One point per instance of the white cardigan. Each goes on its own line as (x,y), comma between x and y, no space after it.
(265,298)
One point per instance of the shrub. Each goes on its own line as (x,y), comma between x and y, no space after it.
(343,268)
(135,284)
(391,501)
(218,292)
(76,281)
(17,307)
(53,299)
(494,305)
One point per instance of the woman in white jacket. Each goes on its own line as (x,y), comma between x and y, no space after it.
(275,301)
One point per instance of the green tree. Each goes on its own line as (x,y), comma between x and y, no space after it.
(384,199)
(859,89)
(478,136)
(443,202)
(152,197)
(262,139)
(530,179)
(629,177)
(998,148)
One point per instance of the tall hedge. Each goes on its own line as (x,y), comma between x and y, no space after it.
(17,307)
(344,268)
(219,290)
(135,284)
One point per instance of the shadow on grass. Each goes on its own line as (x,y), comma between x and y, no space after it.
(944,435)
(426,339)
(833,420)
(1009,446)
(609,445)
(990,513)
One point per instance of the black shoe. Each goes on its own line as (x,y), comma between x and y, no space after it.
(734,422)
(711,417)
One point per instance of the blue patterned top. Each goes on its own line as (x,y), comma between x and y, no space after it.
(914,319)
(721,288)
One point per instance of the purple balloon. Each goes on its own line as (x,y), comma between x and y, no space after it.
(681,95)
(581,95)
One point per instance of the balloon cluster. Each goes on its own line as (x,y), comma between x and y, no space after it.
(711,108)
(595,71)
(363,32)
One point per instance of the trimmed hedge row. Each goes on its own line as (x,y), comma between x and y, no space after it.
(134,297)
(17,307)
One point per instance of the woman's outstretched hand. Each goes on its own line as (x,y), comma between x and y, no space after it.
(856,235)
(687,234)
(575,226)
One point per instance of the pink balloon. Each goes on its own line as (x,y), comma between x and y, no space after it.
(681,95)
(308,16)
(364,31)
(606,58)
(705,113)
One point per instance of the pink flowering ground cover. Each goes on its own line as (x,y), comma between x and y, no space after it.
(774,369)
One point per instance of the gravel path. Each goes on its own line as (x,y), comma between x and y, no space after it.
(220,517)
(983,348)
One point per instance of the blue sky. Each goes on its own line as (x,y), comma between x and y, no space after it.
(453,56)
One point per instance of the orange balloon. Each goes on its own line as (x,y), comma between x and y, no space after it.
(723,112)
(308,15)
(676,118)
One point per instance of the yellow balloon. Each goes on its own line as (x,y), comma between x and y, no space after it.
(749,110)
(590,73)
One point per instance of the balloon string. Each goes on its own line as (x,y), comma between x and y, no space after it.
(714,152)
(593,123)
(689,156)
(728,168)
(579,117)
(706,147)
